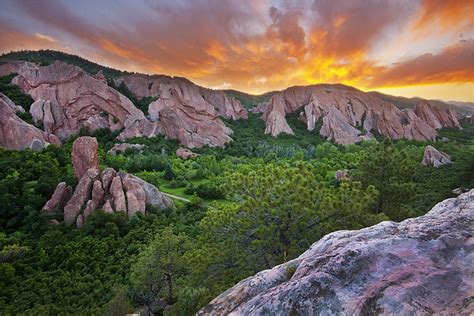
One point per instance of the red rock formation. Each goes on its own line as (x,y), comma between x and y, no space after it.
(420,266)
(61,195)
(81,195)
(182,117)
(436,117)
(151,86)
(67,98)
(84,155)
(16,134)
(435,158)
(185,154)
(110,190)
(346,112)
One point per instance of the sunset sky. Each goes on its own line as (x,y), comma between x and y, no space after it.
(423,48)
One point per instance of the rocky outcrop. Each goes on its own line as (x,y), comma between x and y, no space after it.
(185,154)
(184,115)
(61,194)
(151,86)
(349,115)
(16,134)
(68,99)
(435,158)
(122,148)
(436,117)
(84,155)
(108,190)
(419,266)
(185,111)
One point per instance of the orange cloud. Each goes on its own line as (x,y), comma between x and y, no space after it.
(453,64)
(446,13)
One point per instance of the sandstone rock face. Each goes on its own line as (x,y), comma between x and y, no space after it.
(185,111)
(136,197)
(419,266)
(61,194)
(193,123)
(118,196)
(67,98)
(435,117)
(110,190)
(121,148)
(84,155)
(350,115)
(81,195)
(151,86)
(16,134)
(435,158)
(185,154)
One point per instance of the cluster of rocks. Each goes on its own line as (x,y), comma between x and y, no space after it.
(108,190)
(419,266)
(346,111)
(435,158)
(16,134)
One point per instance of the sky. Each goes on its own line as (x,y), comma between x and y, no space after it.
(409,47)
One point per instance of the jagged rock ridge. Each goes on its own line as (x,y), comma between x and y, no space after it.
(419,266)
(109,190)
(16,134)
(68,99)
(349,115)
(186,111)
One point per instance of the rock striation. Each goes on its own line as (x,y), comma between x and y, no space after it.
(109,190)
(435,158)
(16,134)
(68,99)
(419,266)
(349,115)
(185,111)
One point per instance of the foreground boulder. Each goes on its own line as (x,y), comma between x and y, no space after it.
(435,158)
(109,190)
(68,99)
(350,115)
(419,266)
(16,134)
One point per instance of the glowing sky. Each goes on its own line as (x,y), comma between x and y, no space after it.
(405,47)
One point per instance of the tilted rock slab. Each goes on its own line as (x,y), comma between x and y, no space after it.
(435,158)
(68,99)
(419,266)
(150,86)
(84,155)
(16,134)
(186,111)
(181,115)
(346,112)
